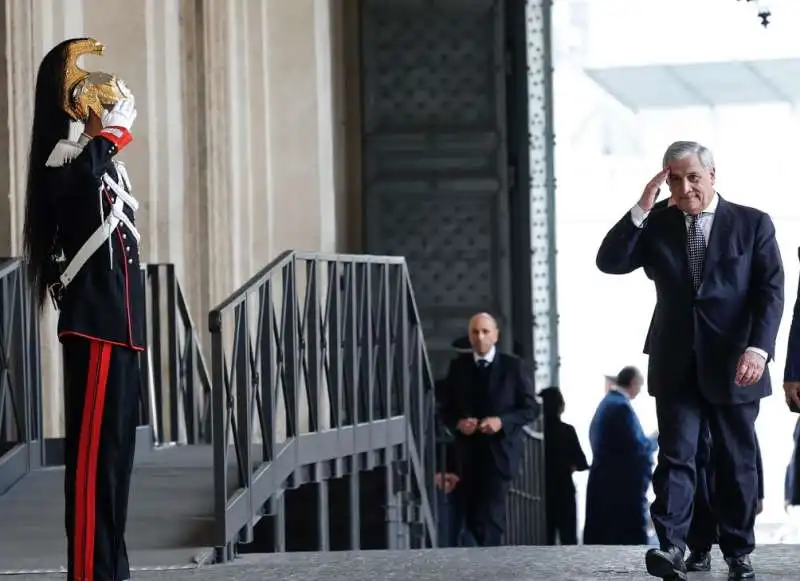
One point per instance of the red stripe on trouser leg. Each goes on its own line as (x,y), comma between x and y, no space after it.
(97,422)
(79,532)
(88,446)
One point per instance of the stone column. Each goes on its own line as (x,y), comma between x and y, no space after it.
(236,153)
(143,42)
(195,280)
(47,23)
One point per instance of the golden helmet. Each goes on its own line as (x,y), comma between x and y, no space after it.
(88,91)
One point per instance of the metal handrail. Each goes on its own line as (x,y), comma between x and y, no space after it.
(284,258)
(176,375)
(20,375)
(338,338)
(526,503)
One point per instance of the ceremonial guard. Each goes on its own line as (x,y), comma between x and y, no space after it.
(83,249)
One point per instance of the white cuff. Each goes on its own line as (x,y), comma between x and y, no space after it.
(638,216)
(758,351)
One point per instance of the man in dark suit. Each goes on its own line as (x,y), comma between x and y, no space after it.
(621,470)
(719,284)
(486,399)
(703,532)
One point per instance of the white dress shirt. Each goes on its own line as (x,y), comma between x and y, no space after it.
(705,221)
(489,357)
(618,389)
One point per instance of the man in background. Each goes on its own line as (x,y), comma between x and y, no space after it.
(486,400)
(621,470)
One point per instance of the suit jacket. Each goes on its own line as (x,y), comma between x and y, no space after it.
(510,397)
(562,455)
(792,370)
(621,471)
(739,303)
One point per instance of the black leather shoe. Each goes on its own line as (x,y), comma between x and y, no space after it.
(698,561)
(666,564)
(740,568)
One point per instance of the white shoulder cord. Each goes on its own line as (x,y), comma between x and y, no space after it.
(66,151)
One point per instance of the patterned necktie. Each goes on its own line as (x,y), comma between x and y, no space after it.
(696,245)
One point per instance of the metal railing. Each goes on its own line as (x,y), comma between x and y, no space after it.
(525,503)
(20,376)
(176,394)
(320,372)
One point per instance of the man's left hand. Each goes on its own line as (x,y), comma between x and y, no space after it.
(750,368)
(491,425)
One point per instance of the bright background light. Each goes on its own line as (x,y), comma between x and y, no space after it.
(606,153)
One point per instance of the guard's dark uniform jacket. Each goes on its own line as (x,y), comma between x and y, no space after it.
(105,301)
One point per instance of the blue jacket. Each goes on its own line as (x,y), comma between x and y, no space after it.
(621,471)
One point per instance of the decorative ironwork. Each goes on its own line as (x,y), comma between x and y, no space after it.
(20,376)
(435,160)
(542,193)
(176,394)
(525,504)
(320,372)
(541,204)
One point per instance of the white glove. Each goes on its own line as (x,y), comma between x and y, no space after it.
(122,115)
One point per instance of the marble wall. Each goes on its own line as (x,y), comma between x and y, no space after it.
(239,146)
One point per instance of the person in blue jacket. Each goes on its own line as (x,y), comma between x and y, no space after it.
(621,468)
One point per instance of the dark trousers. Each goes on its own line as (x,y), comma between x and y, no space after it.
(681,417)
(562,519)
(484,493)
(101,405)
(451,525)
(703,529)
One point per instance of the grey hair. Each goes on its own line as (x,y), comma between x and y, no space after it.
(681,149)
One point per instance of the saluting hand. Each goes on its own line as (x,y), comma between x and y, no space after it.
(650,193)
(123,114)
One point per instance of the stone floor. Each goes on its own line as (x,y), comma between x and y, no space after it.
(165,527)
(772,562)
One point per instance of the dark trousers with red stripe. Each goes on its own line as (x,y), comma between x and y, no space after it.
(101,409)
